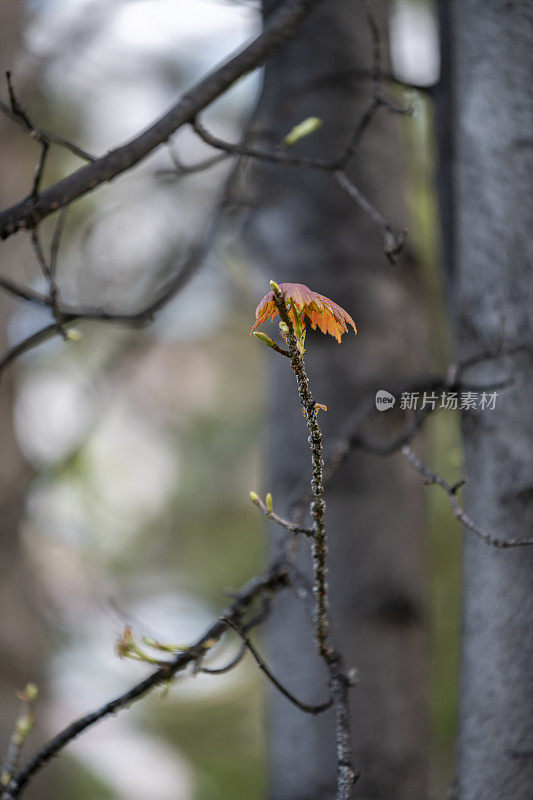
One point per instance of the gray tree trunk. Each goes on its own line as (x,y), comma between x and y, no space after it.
(493,300)
(22,638)
(307,230)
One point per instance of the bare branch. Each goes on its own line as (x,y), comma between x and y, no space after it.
(392,243)
(451,490)
(42,335)
(281,25)
(279,157)
(28,295)
(20,117)
(227,667)
(308,709)
(68,315)
(268,583)
(283,523)
(180,169)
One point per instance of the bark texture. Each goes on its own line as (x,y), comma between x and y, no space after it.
(493,300)
(307,230)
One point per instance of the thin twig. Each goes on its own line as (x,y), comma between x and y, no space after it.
(42,335)
(392,243)
(48,271)
(227,667)
(283,523)
(308,709)
(451,490)
(23,293)
(20,117)
(56,240)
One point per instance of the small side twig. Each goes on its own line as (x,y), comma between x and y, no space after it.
(392,242)
(308,709)
(181,169)
(49,270)
(283,523)
(433,478)
(227,667)
(17,113)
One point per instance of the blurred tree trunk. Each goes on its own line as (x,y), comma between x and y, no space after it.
(493,302)
(12,470)
(21,641)
(307,230)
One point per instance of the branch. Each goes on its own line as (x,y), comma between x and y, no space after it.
(283,523)
(30,342)
(346,776)
(308,709)
(271,581)
(281,25)
(227,667)
(69,315)
(451,490)
(181,169)
(392,243)
(19,116)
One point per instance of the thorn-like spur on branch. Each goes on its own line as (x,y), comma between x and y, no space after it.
(451,490)
(308,709)
(283,523)
(266,584)
(281,25)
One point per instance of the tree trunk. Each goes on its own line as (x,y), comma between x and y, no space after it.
(22,638)
(493,301)
(307,230)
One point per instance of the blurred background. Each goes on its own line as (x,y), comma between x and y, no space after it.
(127,456)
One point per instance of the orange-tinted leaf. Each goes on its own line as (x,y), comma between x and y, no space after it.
(321,312)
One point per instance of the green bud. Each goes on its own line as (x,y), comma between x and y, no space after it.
(269,503)
(303,129)
(264,338)
(31,691)
(254,497)
(275,288)
(24,726)
(284,328)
